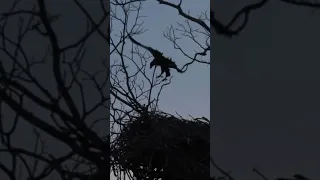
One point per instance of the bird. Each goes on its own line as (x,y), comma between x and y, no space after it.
(159,60)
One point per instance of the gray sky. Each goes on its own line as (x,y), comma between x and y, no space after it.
(189,93)
(265,107)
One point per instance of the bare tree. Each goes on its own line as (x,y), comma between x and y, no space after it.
(234,27)
(52,96)
(129,69)
(135,88)
(52,101)
(196,29)
(241,18)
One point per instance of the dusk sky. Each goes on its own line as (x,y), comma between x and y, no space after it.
(265,106)
(189,93)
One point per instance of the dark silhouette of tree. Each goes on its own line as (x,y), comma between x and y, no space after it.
(51,95)
(234,27)
(241,18)
(50,98)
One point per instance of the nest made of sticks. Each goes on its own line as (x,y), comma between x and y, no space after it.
(158,145)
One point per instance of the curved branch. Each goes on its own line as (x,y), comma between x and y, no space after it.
(183,14)
(226,30)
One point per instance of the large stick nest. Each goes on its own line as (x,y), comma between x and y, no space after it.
(157,145)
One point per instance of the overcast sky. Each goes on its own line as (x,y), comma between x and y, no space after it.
(266,102)
(189,93)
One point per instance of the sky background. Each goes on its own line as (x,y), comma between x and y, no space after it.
(189,93)
(265,93)
(191,90)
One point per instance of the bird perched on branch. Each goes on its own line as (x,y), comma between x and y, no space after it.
(159,60)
